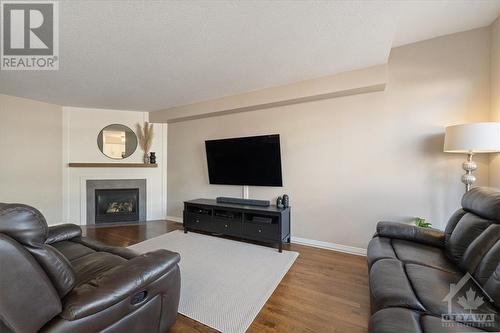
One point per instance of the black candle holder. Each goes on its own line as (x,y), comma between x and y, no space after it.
(152,157)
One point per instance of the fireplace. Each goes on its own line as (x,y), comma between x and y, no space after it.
(116,201)
(116,205)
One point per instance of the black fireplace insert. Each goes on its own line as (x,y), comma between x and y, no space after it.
(116,205)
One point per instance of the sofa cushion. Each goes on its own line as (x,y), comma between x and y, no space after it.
(90,259)
(27,297)
(468,228)
(408,252)
(390,287)
(23,223)
(93,265)
(141,274)
(380,248)
(452,223)
(57,267)
(98,246)
(395,320)
(27,226)
(425,255)
(399,320)
(431,324)
(72,250)
(432,287)
(483,255)
(492,285)
(484,202)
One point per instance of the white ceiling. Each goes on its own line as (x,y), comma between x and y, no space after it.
(137,55)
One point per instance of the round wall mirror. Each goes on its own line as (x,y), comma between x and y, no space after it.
(117,141)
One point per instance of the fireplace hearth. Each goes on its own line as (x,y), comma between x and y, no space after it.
(116,205)
(116,201)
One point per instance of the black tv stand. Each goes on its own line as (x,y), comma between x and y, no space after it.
(265,224)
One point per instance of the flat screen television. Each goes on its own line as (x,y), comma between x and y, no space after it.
(254,160)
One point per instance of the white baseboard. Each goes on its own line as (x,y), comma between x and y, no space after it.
(175,219)
(310,242)
(329,246)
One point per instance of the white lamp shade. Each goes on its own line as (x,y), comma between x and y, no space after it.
(473,138)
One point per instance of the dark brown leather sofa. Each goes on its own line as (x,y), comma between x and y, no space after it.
(54,280)
(411,270)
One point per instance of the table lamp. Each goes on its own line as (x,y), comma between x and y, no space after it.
(470,139)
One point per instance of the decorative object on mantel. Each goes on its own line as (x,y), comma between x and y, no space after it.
(152,157)
(472,139)
(145,134)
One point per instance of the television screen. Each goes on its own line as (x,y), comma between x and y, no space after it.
(254,160)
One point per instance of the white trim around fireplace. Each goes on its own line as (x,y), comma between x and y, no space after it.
(79,132)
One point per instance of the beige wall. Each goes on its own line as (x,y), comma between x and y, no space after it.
(349,162)
(31,150)
(495,97)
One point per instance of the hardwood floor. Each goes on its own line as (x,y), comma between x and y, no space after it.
(324,291)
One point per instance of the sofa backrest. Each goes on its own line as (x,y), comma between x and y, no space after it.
(472,236)
(27,226)
(28,299)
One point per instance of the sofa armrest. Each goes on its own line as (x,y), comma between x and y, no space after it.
(118,284)
(63,232)
(413,233)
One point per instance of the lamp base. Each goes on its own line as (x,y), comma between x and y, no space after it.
(468,178)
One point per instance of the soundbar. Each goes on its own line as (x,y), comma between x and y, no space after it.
(249,202)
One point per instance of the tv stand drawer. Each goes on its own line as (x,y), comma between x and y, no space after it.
(231,228)
(198,221)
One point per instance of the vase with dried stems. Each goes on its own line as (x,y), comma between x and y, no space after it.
(145,136)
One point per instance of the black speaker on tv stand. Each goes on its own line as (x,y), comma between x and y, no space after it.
(239,201)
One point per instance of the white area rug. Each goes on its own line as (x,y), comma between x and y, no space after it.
(224,283)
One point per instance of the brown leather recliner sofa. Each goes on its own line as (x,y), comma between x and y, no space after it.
(412,270)
(54,280)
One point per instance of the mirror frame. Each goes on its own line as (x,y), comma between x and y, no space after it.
(113,158)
